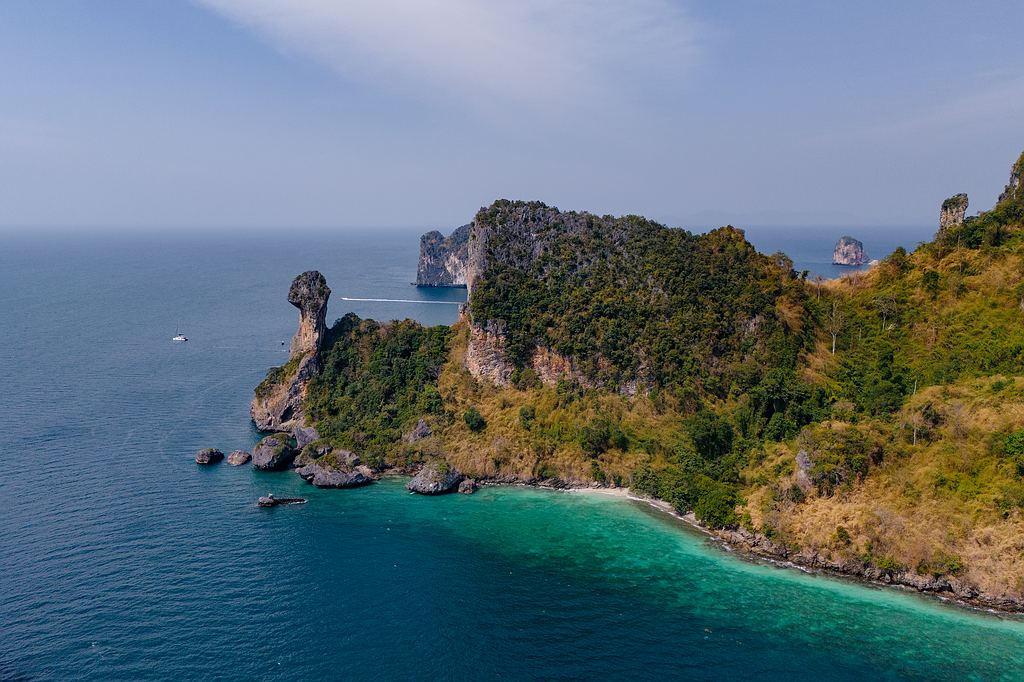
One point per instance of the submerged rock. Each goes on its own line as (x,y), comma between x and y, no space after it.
(849,251)
(435,478)
(467,487)
(273,453)
(209,456)
(239,457)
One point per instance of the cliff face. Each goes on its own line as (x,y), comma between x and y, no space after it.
(1014,190)
(443,259)
(277,405)
(953,211)
(849,251)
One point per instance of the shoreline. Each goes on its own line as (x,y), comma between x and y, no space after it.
(757,548)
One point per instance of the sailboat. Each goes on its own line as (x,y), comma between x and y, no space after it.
(178,336)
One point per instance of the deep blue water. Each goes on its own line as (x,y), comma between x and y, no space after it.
(120,559)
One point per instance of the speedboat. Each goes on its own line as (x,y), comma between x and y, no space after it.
(178,336)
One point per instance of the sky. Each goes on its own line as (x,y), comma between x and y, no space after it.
(248,114)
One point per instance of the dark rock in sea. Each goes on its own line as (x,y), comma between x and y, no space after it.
(443,259)
(304,435)
(419,432)
(340,475)
(273,453)
(849,251)
(270,501)
(239,457)
(209,456)
(435,478)
(467,487)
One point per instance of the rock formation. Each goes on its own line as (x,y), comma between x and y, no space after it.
(278,402)
(467,487)
(239,457)
(849,251)
(273,453)
(209,456)
(953,211)
(420,431)
(343,471)
(435,478)
(1014,190)
(443,259)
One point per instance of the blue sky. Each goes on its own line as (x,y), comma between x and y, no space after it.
(147,114)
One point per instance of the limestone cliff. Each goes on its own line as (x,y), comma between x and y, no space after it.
(849,251)
(442,260)
(1014,190)
(277,405)
(953,211)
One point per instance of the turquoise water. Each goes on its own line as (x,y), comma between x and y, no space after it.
(120,559)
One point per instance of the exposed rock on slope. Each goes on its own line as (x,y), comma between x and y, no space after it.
(953,211)
(849,251)
(443,259)
(278,401)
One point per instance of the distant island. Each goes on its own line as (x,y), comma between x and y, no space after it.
(443,260)
(869,425)
(849,251)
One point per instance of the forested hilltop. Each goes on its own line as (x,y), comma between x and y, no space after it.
(872,424)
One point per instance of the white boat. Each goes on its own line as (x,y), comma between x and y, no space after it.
(178,336)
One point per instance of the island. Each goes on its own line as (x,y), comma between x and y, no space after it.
(849,251)
(442,261)
(865,426)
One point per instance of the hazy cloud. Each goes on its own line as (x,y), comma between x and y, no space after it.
(531,54)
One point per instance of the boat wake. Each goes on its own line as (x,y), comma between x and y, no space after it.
(400,300)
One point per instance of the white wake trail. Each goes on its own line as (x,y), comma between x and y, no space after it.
(400,300)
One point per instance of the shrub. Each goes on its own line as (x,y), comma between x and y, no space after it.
(474,420)
(527,415)
(716,504)
(711,435)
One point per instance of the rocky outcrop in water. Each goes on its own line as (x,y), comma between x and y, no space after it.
(278,401)
(209,456)
(443,259)
(273,453)
(849,251)
(952,212)
(435,478)
(239,457)
(467,486)
(344,470)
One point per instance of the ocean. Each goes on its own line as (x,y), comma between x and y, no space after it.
(120,559)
